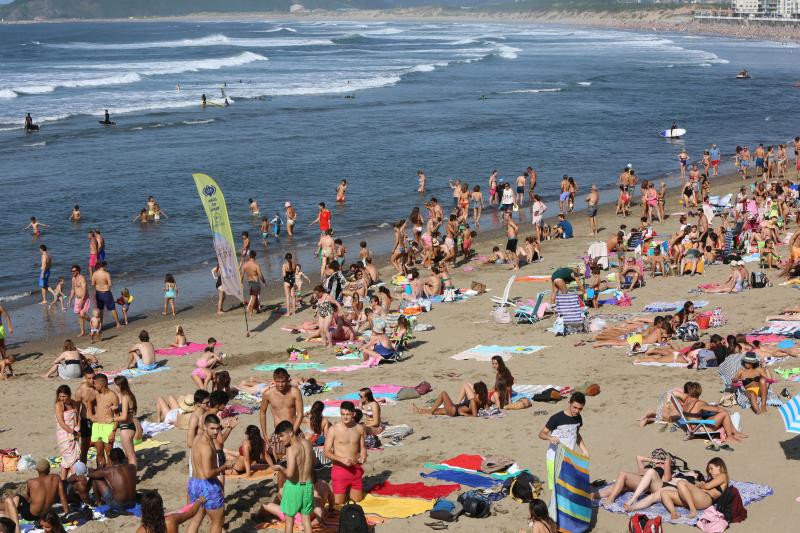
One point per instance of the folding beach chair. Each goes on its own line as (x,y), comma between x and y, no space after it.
(693,427)
(503,301)
(527,314)
(571,312)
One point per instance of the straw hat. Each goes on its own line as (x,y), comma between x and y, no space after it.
(186,403)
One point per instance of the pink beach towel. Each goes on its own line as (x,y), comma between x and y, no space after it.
(190,348)
(369,363)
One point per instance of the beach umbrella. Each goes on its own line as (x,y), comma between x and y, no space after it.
(790,412)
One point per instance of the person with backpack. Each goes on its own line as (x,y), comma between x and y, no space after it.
(564,428)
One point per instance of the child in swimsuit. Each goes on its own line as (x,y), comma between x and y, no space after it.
(202,375)
(58,294)
(95,325)
(124,301)
(170,292)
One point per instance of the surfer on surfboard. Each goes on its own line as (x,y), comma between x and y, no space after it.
(29,125)
(673,128)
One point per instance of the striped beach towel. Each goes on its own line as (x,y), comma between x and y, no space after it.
(572,503)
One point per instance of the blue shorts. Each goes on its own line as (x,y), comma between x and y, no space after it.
(506,207)
(44,279)
(383,351)
(104,300)
(520,189)
(211,489)
(101,255)
(564,196)
(147,368)
(759,162)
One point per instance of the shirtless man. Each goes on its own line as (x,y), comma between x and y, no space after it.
(291,218)
(103,298)
(92,253)
(254,210)
(563,198)
(251,273)
(593,199)
(5,360)
(80,294)
(44,272)
(512,230)
(760,156)
(421,176)
(114,485)
(101,413)
(205,404)
(797,154)
(436,211)
(203,481)
(85,396)
(521,180)
(101,245)
(532,184)
(345,446)
(286,403)
(42,493)
(298,489)
(76,214)
(245,251)
(143,354)
(326,250)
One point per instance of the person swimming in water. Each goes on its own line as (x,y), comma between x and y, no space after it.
(106,118)
(203,99)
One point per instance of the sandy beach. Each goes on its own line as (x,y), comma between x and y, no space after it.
(611,430)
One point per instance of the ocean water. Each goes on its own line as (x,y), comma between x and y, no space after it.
(564,100)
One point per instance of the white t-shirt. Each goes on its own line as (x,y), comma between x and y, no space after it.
(508,196)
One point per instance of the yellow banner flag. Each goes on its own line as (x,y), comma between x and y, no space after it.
(225,248)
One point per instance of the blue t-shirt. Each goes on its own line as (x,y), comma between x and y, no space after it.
(566,227)
(714,153)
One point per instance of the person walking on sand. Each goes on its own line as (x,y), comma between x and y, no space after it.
(44,272)
(104,299)
(291,218)
(593,199)
(79,297)
(345,446)
(251,273)
(564,427)
(5,360)
(204,481)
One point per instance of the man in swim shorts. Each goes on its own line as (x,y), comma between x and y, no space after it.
(103,405)
(44,273)
(563,198)
(104,298)
(512,231)
(143,354)
(760,154)
(251,273)
(714,154)
(42,492)
(203,481)
(291,217)
(80,295)
(298,490)
(92,252)
(85,395)
(114,485)
(345,447)
(593,199)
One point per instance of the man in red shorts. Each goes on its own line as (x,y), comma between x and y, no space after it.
(345,446)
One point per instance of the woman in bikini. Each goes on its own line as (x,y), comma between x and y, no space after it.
(251,452)
(698,496)
(493,188)
(288,273)
(128,425)
(503,377)
(317,424)
(477,205)
(539,520)
(650,476)
(372,412)
(695,408)
(755,381)
(326,305)
(397,257)
(417,223)
(443,405)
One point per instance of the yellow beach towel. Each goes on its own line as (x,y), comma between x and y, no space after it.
(392,507)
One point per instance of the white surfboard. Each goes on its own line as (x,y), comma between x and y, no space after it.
(673,134)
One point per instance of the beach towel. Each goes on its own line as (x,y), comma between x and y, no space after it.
(152,429)
(750,493)
(190,348)
(463,478)
(246,397)
(260,474)
(135,372)
(485,353)
(571,503)
(535,278)
(91,350)
(465,462)
(512,471)
(765,339)
(271,367)
(331,524)
(654,363)
(664,307)
(378,391)
(389,507)
(787,373)
(778,327)
(414,490)
(529,391)
(369,363)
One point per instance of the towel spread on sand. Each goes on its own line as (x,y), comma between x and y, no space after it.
(190,348)
(485,353)
(135,372)
(529,391)
(91,350)
(369,363)
(378,391)
(765,339)
(512,471)
(535,278)
(152,429)
(389,507)
(414,490)
(787,373)
(656,363)
(331,524)
(571,502)
(779,327)
(465,462)
(263,472)
(463,478)
(662,307)
(750,493)
(271,367)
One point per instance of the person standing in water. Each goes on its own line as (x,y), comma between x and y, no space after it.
(44,273)
(291,217)
(76,214)
(35,225)
(106,118)
(203,99)
(254,210)
(340,191)
(421,176)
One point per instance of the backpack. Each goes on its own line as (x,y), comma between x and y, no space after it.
(759,280)
(641,523)
(352,519)
(475,504)
(446,511)
(731,506)
(523,487)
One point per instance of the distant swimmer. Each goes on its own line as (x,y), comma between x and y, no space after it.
(29,125)
(178,87)
(203,100)
(743,75)
(76,214)
(35,225)
(226,102)
(107,119)
(254,210)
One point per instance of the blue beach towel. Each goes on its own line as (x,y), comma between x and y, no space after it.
(288,366)
(572,501)
(463,478)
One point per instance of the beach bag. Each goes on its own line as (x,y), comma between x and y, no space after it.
(352,519)
(731,506)
(759,280)
(423,388)
(449,295)
(478,287)
(407,393)
(501,316)
(523,487)
(688,331)
(641,523)
(8,460)
(475,504)
(495,463)
(445,510)
(712,521)
(718,318)
(706,359)
(547,395)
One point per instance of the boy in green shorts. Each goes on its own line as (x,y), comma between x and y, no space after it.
(298,491)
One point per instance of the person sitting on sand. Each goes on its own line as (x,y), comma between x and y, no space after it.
(143,354)
(700,495)
(156,520)
(539,520)
(180,338)
(443,405)
(42,492)
(658,263)
(203,374)
(318,425)
(631,275)
(178,411)
(695,408)
(379,344)
(372,412)
(650,476)
(755,382)
(67,365)
(251,452)
(733,284)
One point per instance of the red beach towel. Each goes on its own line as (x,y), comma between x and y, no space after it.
(415,490)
